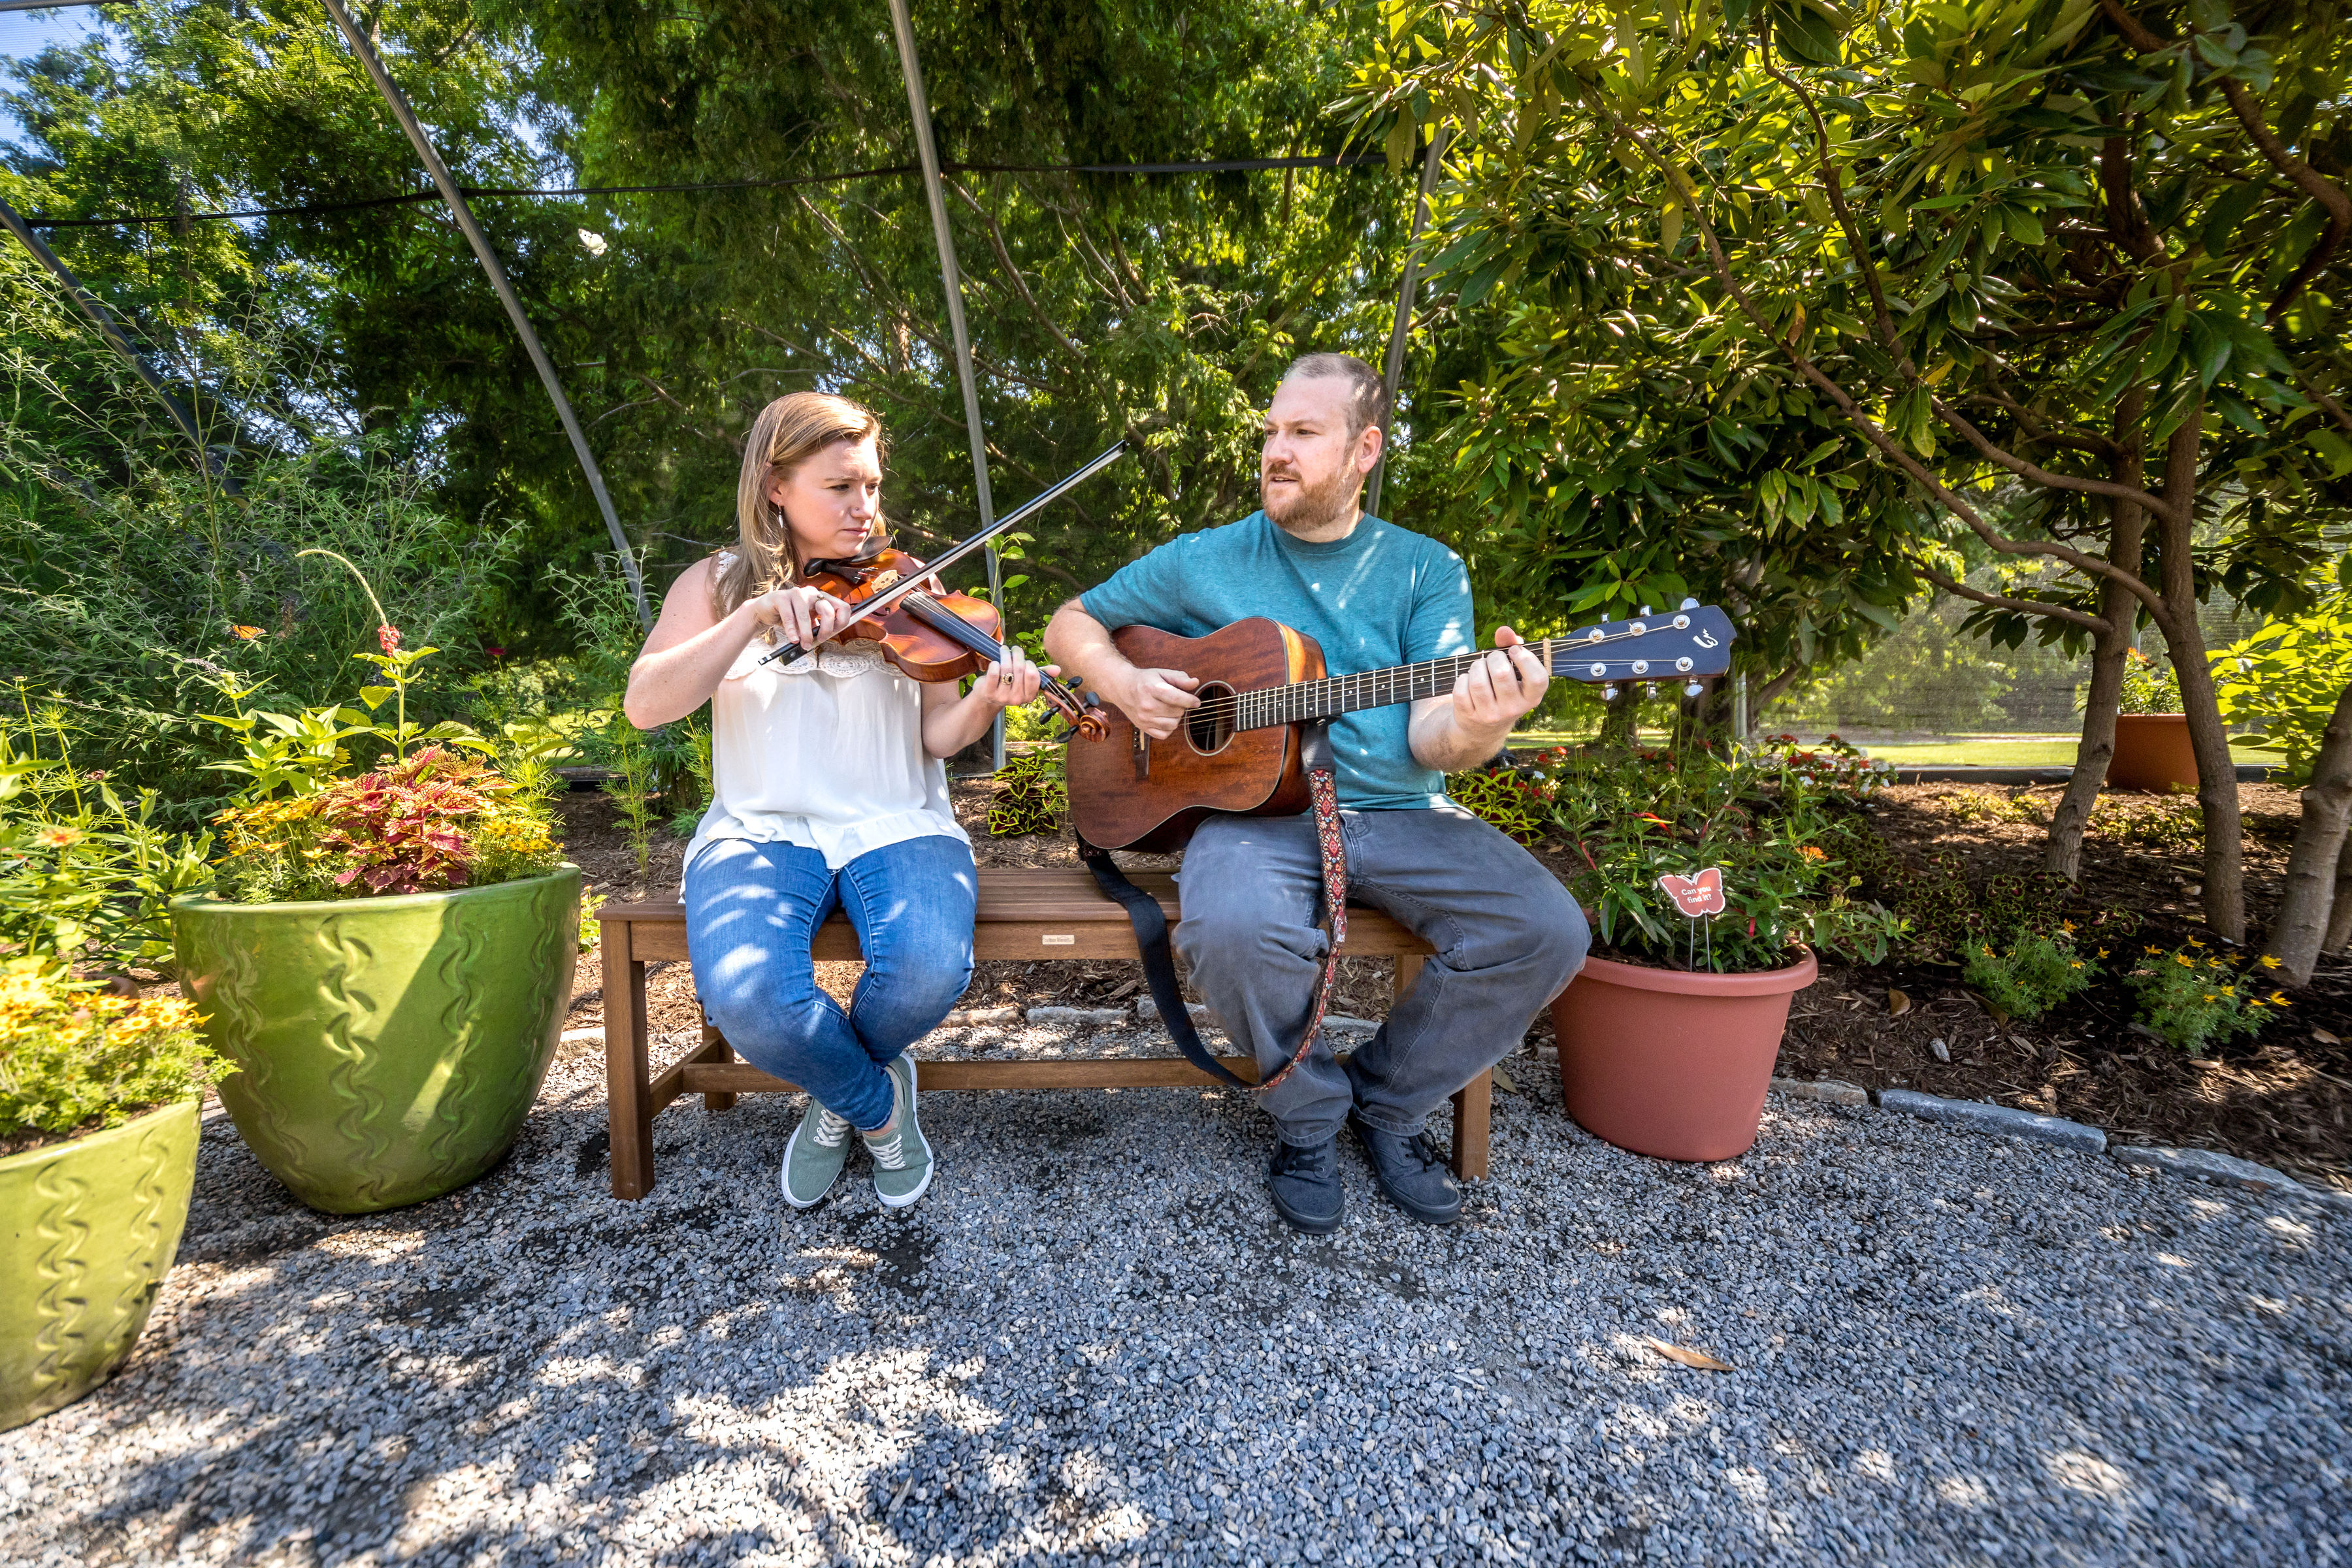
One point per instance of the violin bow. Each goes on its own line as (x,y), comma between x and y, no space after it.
(897,591)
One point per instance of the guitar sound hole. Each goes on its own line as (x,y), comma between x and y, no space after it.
(1210,727)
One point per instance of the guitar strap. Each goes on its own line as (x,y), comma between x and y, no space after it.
(1151,923)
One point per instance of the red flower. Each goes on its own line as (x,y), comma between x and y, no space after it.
(390,637)
(494,652)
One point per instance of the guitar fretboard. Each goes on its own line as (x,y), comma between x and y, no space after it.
(1335,694)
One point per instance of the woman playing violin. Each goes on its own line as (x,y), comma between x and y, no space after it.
(830,795)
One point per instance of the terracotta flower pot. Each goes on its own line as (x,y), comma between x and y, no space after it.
(1671,1064)
(390,1047)
(87,1230)
(2152,752)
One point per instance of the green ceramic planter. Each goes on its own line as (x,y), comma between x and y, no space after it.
(390,1047)
(87,1230)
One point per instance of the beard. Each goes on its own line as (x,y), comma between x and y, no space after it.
(1309,507)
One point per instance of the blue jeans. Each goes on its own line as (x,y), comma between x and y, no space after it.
(1508,938)
(751,909)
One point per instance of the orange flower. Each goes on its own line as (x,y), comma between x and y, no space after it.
(1813,852)
(58,838)
(390,637)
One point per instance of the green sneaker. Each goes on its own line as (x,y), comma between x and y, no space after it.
(902,1159)
(813,1159)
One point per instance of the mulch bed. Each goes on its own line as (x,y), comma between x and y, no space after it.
(2283,1099)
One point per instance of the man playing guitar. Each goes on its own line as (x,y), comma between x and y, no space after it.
(1507,935)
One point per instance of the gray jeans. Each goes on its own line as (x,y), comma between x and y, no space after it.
(1507,935)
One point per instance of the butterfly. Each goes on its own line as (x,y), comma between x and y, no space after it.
(1696,894)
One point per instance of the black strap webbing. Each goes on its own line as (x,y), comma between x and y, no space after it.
(1150,921)
(1150,924)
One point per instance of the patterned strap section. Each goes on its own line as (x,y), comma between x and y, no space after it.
(1334,911)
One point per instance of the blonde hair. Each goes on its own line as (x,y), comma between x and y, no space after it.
(788,433)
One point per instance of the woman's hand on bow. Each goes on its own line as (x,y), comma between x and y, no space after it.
(805,616)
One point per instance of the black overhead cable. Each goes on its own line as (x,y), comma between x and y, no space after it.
(1211,166)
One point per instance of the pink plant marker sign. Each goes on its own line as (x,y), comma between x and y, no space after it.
(1696,894)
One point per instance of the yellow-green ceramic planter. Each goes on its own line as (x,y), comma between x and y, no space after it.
(390,1047)
(87,1230)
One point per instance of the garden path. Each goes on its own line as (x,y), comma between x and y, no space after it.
(1092,1342)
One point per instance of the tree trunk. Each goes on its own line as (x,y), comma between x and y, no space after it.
(2209,738)
(2307,914)
(2127,528)
(1617,718)
(2340,913)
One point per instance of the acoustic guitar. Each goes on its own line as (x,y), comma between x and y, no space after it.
(1239,751)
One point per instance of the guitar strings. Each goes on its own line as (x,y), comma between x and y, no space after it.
(1232,703)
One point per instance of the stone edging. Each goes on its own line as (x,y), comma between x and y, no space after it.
(2003,1121)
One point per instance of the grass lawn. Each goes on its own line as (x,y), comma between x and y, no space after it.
(2054,752)
(2002,751)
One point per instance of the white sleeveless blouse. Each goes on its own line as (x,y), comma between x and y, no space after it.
(825,752)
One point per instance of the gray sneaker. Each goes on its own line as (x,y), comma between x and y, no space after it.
(902,1157)
(813,1159)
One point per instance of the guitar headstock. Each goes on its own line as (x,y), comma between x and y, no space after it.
(1689,644)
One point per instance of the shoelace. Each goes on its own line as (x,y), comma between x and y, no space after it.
(831,1130)
(888,1153)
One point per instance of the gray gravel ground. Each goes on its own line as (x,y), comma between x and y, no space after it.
(1094,1343)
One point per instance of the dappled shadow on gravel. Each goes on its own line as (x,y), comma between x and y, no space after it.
(1092,1340)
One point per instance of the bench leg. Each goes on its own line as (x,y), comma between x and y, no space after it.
(715,1048)
(628,1118)
(1472,1118)
(1408,971)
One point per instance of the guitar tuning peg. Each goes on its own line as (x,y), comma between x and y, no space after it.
(1693,689)
(1609,694)
(1646,612)
(1688,605)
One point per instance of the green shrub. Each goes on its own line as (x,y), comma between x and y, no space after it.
(2193,998)
(85,876)
(75,1058)
(131,582)
(1031,795)
(1516,802)
(1634,817)
(1834,767)
(2148,687)
(1983,805)
(2156,824)
(2286,679)
(1952,917)
(428,822)
(2030,975)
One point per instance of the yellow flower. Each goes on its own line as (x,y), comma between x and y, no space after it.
(2076,964)
(2278,999)
(2069,925)
(2194,943)
(2182,959)
(2269,963)
(2229,991)
(2151,950)
(58,838)
(2209,995)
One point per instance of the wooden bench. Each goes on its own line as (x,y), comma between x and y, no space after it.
(1045,912)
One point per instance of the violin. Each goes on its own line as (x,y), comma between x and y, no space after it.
(933,638)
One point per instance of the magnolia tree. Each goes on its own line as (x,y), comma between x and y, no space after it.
(2058,279)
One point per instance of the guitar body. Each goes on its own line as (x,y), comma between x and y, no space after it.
(1128,791)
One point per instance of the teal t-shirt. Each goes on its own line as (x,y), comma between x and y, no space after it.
(1380,596)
